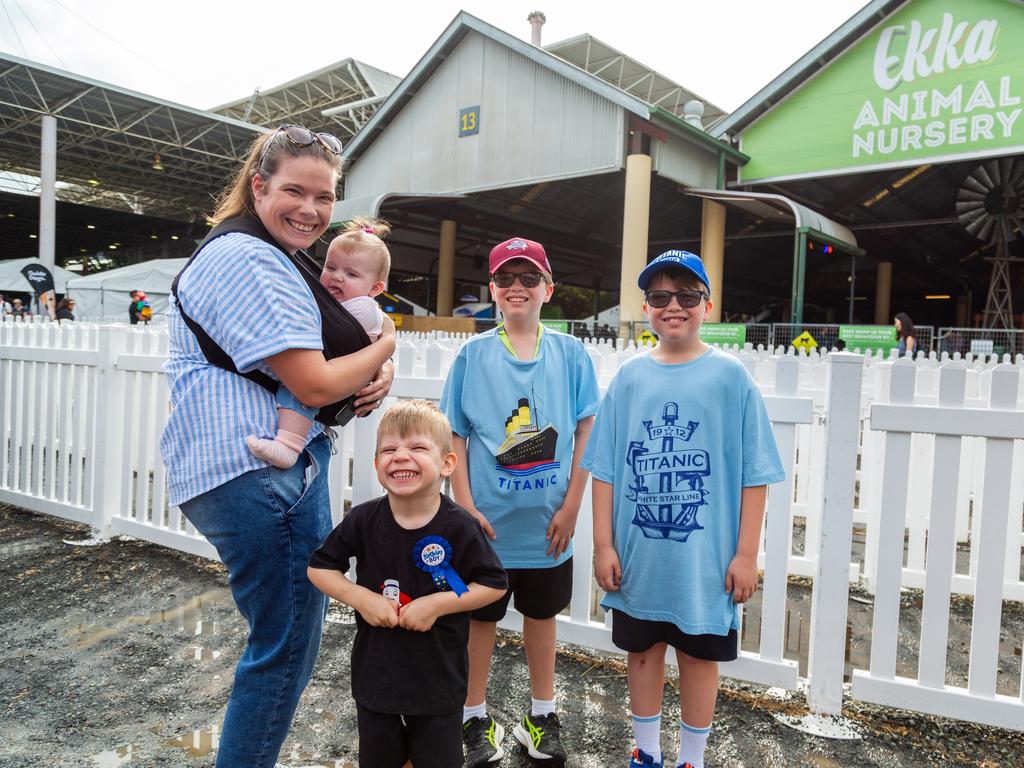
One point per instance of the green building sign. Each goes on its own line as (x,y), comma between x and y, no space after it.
(866,337)
(937,80)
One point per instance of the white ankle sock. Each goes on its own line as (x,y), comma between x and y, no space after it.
(480,710)
(692,742)
(540,707)
(647,734)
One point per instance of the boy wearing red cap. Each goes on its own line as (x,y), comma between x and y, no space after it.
(521,400)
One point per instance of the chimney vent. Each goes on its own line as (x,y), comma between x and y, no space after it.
(693,112)
(536,19)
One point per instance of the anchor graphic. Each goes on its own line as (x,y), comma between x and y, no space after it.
(668,511)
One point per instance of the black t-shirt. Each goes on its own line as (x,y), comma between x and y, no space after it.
(133,312)
(398,671)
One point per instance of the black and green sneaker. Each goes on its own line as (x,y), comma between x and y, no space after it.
(482,737)
(540,734)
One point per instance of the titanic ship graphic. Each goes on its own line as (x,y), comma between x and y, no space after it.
(527,448)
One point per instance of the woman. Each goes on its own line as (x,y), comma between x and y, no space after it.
(65,309)
(905,335)
(249,298)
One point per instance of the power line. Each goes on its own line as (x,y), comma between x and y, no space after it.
(108,36)
(15,30)
(45,42)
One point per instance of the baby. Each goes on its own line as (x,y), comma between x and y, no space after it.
(355,270)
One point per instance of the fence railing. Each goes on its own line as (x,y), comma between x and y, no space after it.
(82,408)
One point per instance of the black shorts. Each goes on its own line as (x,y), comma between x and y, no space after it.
(639,635)
(429,741)
(540,593)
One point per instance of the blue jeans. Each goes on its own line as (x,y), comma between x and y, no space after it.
(265,524)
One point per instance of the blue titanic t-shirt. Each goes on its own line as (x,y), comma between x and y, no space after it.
(519,418)
(679,442)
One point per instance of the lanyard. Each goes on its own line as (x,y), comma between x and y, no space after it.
(503,335)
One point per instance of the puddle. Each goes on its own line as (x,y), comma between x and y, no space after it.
(16,548)
(198,653)
(197,743)
(186,617)
(112,758)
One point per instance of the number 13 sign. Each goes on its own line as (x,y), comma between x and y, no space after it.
(469,121)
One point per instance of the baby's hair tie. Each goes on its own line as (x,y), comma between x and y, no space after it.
(368,230)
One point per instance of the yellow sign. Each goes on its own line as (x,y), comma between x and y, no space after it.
(398,320)
(647,338)
(805,341)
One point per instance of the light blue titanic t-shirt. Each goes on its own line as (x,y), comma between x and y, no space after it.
(519,418)
(679,443)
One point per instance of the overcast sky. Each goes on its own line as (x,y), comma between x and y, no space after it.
(203,53)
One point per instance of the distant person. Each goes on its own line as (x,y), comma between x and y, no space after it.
(906,335)
(521,400)
(19,310)
(5,306)
(65,309)
(355,270)
(840,345)
(681,455)
(134,310)
(422,564)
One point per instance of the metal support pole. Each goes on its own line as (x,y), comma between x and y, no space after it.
(796,307)
(853,285)
(48,191)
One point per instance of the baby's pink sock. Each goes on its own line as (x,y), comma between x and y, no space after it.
(281,452)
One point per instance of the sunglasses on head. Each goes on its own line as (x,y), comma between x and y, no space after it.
(303,137)
(526,279)
(686,299)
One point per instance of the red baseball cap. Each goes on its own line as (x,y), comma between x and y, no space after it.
(519,248)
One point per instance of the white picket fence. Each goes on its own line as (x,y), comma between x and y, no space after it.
(82,408)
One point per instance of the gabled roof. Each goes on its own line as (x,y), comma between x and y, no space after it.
(625,72)
(304,99)
(462,25)
(807,66)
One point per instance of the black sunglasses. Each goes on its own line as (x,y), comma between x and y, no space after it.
(686,299)
(303,137)
(526,279)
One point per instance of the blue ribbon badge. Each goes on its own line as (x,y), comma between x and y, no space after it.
(433,555)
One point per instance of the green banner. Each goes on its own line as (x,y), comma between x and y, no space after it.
(723,333)
(868,337)
(936,80)
(556,325)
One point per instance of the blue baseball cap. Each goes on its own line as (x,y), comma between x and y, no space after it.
(684,259)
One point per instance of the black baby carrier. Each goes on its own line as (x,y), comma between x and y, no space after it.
(342,333)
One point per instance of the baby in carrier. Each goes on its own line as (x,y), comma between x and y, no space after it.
(355,270)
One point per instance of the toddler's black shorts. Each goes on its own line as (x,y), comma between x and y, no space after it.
(429,741)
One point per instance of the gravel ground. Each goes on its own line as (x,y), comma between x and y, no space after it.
(121,655)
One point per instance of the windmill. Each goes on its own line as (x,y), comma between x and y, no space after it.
(990,206)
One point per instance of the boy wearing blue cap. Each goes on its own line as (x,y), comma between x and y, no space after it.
(681,456)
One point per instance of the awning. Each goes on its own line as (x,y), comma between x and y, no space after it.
(780,208)
(807,225)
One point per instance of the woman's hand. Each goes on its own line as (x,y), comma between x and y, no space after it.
(370,397)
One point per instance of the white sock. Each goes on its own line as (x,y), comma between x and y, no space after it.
(540,707)
(647,734)
(480,710)
(692,742)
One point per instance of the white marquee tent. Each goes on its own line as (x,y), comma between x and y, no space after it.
(11,278)
(106,295)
